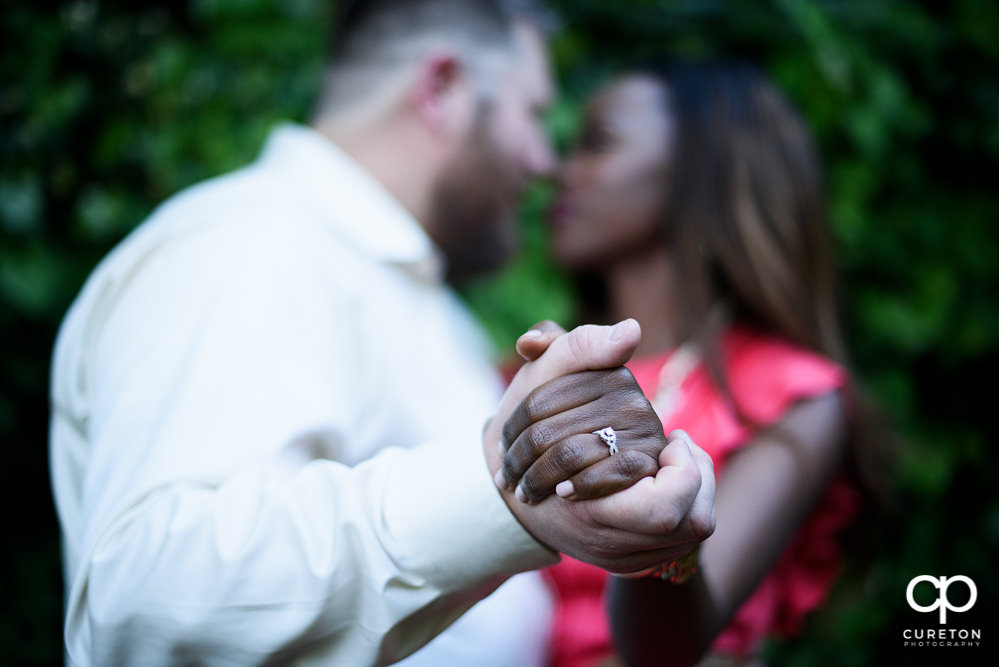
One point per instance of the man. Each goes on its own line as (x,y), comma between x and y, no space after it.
(268,405)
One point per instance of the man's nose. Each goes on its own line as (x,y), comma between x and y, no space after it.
(539,157)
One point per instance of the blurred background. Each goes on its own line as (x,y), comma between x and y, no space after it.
(107,108)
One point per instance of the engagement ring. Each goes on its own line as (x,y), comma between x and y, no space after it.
(609,437)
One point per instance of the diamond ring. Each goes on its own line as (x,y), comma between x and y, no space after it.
(609,436)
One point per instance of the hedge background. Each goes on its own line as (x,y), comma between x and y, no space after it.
(106,108)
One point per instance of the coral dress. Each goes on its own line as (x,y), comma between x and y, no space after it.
(766,376)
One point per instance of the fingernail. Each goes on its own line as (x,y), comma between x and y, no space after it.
(618,330)
(532,333)
(520,495)
(565,489)
(500,480)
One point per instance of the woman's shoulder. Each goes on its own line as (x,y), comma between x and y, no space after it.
(767,374)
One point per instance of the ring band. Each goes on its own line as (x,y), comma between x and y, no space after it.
(609,436)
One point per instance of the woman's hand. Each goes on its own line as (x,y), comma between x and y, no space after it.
(550,440)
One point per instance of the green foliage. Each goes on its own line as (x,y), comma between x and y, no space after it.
(107,108)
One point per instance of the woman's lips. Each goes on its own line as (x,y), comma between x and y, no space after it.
(560,211)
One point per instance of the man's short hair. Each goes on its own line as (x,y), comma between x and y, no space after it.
(371,38)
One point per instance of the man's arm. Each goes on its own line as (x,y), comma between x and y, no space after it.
(216,522)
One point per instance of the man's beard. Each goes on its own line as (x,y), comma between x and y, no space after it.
(473,207)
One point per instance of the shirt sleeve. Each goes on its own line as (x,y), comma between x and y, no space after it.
(217,524)
(766,376)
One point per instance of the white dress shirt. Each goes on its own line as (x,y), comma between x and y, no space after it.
(265,438)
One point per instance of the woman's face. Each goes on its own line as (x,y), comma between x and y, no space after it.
(611,192)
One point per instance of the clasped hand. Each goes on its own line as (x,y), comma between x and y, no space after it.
(649,503)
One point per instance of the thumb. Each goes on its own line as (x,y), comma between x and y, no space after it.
(585,348)
(533,344)
(588,347)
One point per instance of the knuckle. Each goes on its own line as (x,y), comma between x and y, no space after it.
(692,477)
(644,423)
(640,403)
(538,438)
(621,377)
(511,468)
(629,464)
(668,519)
(530,486)
(566,456)
(688,483)
(703,524)
(651,435)
(636,414)
(535,405)
(508,433)
(705,459)
(649,463)
(578,341)
(649,428)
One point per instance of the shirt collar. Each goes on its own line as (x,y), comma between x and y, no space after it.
(357,206)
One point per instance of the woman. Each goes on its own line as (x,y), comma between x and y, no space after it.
(693,203)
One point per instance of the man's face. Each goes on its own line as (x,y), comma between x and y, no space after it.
(476,200)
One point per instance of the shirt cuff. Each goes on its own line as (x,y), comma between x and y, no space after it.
(449,521)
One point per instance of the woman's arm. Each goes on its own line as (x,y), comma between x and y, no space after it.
(767,489)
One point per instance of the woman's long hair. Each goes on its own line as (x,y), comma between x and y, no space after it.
(745,217)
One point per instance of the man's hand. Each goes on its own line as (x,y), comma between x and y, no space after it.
(655,520)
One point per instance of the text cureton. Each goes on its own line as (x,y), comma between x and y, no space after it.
(941,633)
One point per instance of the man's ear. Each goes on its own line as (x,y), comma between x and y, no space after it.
(441,94)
